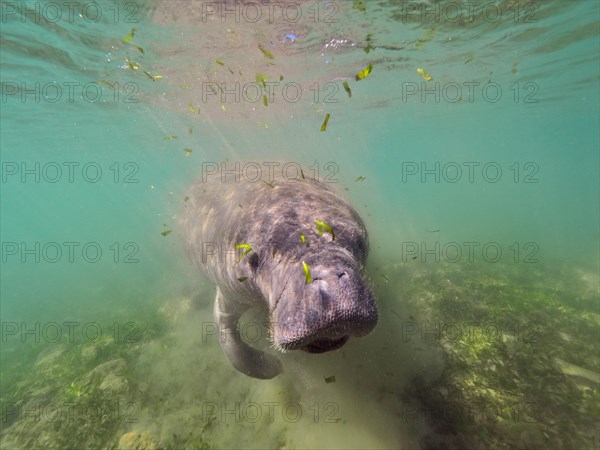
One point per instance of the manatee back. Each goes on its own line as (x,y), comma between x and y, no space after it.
(270,215)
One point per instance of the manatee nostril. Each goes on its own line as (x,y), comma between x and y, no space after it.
(253,261)
(342,275)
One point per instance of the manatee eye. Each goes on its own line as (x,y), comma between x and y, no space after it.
(253,262)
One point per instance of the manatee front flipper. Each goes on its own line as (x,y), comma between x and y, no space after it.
(244,358)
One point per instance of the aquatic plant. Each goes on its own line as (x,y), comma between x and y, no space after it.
(506,370)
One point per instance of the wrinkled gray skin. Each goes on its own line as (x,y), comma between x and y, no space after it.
(316,317)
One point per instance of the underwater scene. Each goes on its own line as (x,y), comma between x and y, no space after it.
(189,191)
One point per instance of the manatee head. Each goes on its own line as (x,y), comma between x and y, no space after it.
(320,315)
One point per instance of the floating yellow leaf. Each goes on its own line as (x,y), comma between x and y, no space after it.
(359,5)
(265,101)
(153,77)
(347,88)
(107,83)
(261,79)
(360,178)
(429,34)
(364,73)
(369,47)
(330,379)
(221,63)
(324,126)
(248,249)
(308,279)
(424,74)
(265,52)
(188,151)
(271,185)
(242,279)
(166,232)
(130,36)
(302,238)
(132,65)
(169,138)
(324,226)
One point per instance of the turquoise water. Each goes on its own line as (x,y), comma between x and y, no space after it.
(498,151)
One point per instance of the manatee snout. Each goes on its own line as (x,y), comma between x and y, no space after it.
(321,315)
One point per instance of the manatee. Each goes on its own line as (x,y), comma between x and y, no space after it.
(301,251)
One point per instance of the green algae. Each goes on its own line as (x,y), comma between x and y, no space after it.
(521,350)
(74,392)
